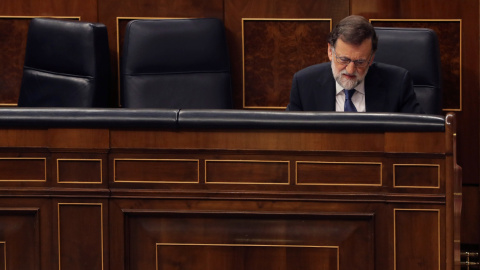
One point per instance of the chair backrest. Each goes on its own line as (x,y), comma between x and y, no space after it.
(67,64)
(417,50)
(175,63)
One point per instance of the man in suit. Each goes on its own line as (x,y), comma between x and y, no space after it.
(351,81)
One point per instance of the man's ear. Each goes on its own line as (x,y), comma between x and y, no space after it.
(330,53)
(371,59)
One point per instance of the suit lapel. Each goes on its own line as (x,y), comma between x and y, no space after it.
(375,95)
(325,96)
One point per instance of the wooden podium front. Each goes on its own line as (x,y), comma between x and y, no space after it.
(228,198)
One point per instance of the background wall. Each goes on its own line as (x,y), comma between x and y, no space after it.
(261,76)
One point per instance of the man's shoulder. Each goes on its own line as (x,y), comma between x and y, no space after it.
(387,68)
(314,69)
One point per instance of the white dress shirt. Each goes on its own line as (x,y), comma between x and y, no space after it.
(358,98)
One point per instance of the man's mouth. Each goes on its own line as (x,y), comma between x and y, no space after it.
(349,76)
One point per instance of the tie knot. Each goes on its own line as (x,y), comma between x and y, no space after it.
(349,94)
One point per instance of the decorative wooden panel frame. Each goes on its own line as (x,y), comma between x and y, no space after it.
(25,160)
(411,240)
(84,236)
(273,50)
(436,167)
(13,30)
(449,32)
(181,167)
(84,162)
(250,170)
(348,173)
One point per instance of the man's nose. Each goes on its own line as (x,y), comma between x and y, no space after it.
(351,68)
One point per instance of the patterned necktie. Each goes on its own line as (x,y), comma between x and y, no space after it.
(349,107)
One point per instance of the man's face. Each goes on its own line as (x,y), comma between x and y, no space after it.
(350,74)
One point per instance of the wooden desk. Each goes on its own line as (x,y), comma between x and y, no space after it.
(191,198)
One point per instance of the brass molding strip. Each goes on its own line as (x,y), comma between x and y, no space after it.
(417,165)
(85,160)
(248,161)
(334,162)
(459,45)
(243,53)
(27,158)
(101,229)
(395,232)
(153,159)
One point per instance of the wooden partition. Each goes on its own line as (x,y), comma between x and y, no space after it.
(232,198)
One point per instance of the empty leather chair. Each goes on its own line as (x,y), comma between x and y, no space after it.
(67,64)
(175,63)
(417,50)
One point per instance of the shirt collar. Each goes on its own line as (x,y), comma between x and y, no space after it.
(360,88)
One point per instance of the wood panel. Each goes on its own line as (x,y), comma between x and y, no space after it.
(156,171)
(247,172)
(291,241)
(79,171)
(425,175)
(23,169)
(468,118)
(417,238)
(339,173)
(273,50)
(19,238)
(80,236)
(235,11)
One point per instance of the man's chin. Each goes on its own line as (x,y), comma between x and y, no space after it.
(349,85)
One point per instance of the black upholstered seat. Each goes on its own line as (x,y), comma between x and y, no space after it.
(175,63)
(417,50)
(66,65)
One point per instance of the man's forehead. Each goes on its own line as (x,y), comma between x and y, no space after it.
(364,48)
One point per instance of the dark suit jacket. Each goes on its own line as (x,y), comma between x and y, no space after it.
(387,89)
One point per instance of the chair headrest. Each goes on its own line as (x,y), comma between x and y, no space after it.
(165,46)
(65,47)
(415,49)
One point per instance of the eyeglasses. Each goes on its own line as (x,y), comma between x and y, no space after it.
(346,61)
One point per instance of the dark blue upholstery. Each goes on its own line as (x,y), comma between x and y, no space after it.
(327,121)
(417,50)
(191,119)
(88,118)
(175,63)
(66,65)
